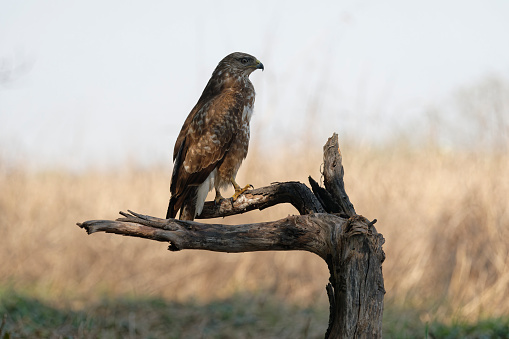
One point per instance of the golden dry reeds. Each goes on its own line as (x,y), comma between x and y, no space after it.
(445,218)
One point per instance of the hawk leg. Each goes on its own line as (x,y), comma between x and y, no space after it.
(218,197)
(239,190)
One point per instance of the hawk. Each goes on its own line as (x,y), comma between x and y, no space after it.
(214,139)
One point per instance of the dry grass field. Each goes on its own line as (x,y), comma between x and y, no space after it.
(445,218)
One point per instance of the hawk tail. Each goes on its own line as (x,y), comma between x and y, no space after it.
(172,212)
(186,203)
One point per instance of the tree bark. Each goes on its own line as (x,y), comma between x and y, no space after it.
(327,226)
(292,192)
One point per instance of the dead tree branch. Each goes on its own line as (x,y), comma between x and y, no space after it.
(293,192)
(327,226)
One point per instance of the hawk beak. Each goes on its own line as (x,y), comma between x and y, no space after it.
(259,65)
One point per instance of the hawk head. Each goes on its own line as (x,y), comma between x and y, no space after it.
(239,64)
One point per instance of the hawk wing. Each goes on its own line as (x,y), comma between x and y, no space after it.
(202,145)
(213,89)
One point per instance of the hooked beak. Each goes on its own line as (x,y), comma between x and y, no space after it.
(259,65)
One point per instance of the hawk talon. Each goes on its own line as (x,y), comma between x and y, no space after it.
(218,198)
(239,191)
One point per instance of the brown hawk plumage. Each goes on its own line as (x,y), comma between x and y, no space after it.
(214,139)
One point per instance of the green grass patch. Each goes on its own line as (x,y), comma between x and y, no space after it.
(236,317)
(406,323)
(487,328)
(241,316)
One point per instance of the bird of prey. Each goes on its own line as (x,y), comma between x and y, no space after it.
(214,139)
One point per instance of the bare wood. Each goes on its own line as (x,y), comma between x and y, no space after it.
(352,249)
(349,243)
(333,173)
(293,192)
(307,232)
(356,287)
(324,197)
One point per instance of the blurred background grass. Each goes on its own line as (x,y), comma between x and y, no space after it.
(444,216)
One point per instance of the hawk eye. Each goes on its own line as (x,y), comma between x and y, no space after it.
(244,60)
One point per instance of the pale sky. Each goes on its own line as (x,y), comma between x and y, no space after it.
(103,82)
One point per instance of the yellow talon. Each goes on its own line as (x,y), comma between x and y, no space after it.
(239,190)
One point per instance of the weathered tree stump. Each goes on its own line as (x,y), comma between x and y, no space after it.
(327,226)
